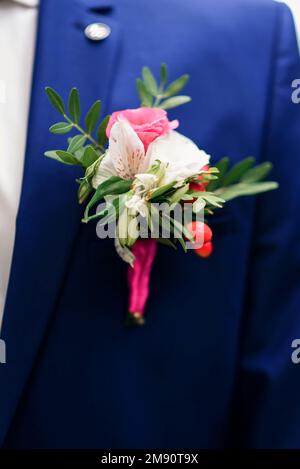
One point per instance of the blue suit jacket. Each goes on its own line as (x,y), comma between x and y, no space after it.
(212,365)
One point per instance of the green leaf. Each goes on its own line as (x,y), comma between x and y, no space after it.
(161,190)
(79,153)
(61,128)
(211,170)
(84,191)
(101,132)
(238,170)
(174,102)
(74,105)
(213,199)
(145,96)
(183,244)
(75,143)
(189,197)
(52,154)
(242,189)
(181,229)
(92,116)
(104,216)
(109,213)
(163,74)
(91,170)
(62,157)
(258,173)
(89,156)
(167,242)
(176,86)
(112,186)
(222,166)
(67,157)
(178,194)
(55,100)
(149,81)
(198,205)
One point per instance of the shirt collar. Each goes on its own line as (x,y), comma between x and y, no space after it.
(27,3)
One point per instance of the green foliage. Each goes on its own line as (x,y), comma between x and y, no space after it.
(154,94)
(211,199)
(167,242)
(242,189)
(144,95)
(149,81)
(76,143)
(112,186)
(89,156)
(163,74)
(175,102)
(157,193)
(257,173)
(176,86)
(61,128)
(222,167)
(84,191)
(55,100)
(63,157)
(242,179)
(238,170)
(101,132)
(85,183)
(74,105)
(92,116)
(178,194)
(83,149)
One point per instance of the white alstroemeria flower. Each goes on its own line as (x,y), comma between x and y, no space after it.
(183,157)
(137,204)
(142,184)
(126,156)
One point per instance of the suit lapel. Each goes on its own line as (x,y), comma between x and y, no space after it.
(49,215)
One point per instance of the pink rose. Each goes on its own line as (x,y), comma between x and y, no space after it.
(148,123)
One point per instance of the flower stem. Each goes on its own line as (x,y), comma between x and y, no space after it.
(83,132)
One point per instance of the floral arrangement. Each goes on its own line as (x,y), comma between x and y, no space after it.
(141,170)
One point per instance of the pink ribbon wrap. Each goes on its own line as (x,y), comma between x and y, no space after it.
(144,251)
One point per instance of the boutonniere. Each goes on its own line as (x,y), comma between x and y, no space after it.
(144,182)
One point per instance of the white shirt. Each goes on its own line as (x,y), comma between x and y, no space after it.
(18,20)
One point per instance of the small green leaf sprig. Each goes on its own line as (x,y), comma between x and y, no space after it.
(242,179)
(84,148)
(162,95)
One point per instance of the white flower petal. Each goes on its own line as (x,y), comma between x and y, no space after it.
(184,158)
(137,204)
(104,171)
(126,150)
(145,181)
(125,253)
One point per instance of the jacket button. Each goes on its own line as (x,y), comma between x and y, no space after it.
(97,31)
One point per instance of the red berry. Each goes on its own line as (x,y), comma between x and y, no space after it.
(198,186)
(205,250)
(200,231)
